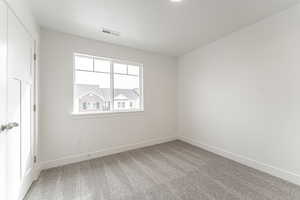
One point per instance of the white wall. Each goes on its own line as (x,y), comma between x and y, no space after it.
(23,12)
(62,135)
(240,96)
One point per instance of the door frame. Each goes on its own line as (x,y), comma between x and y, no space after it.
(35,169)
(36,108)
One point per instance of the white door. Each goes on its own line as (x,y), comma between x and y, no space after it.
(19,113)
(3,92)
(13,139)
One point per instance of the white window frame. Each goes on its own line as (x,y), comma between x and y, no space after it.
(112,61)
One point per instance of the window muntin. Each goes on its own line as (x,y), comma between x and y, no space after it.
(84,63)
(105,85)
(133,70)
(102,65)
(120,68)
(92,78)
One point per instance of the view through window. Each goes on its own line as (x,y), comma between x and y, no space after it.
(106,85)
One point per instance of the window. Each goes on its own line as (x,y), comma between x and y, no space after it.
(84,105)
(98,105)
(106,85)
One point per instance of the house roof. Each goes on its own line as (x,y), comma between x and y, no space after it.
(82,90)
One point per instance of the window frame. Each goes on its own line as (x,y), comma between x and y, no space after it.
(75,111)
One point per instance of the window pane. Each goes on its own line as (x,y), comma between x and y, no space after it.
(120,68)
(84,63)
(92,92)
(126,81)
(133,70)
(102,65)
(92,78)
(126,92)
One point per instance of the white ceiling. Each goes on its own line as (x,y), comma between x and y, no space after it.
(154,25)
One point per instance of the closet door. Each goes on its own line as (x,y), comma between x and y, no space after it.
(20,108)
(3,97)
(13,139)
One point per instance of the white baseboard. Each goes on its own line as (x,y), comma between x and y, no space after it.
(31,178)
(280,173)
(101,153)
(36,173)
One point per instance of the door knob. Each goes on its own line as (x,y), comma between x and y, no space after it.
(8,126)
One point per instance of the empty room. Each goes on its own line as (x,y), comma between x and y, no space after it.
(149,100)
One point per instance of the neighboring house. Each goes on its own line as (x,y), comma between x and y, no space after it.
(126,99)
(92,98)
(92,102)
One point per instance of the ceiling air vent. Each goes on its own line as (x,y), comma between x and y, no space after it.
(110,32)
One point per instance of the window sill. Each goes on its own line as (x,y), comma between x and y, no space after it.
(77,115)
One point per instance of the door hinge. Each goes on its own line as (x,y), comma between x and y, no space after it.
(34,108)
(34,57)
(34,159)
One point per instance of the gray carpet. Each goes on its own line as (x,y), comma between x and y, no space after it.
(174,170)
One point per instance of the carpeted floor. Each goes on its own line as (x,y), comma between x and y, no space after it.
(174,170)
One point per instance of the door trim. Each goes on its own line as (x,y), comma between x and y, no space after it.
(25,187)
